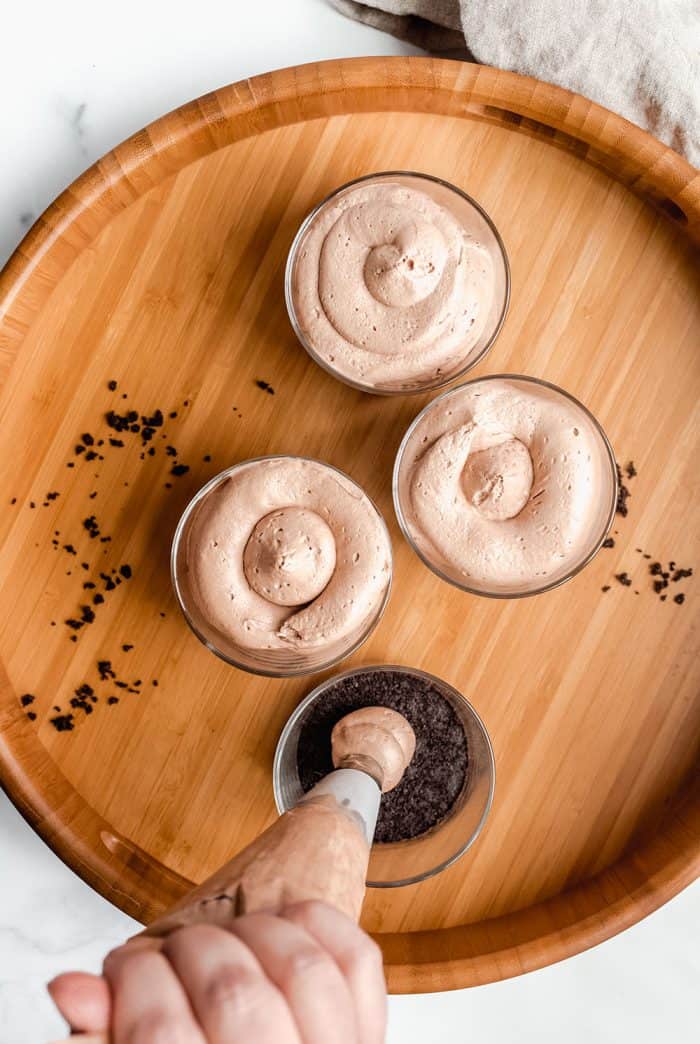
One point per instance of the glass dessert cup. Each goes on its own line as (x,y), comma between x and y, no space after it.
(473,219)
(601,519)
(406,862)
(275,663)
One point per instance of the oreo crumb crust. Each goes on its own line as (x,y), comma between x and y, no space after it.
(437,774)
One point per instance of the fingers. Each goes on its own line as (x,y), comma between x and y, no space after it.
(358,957)
(83,1000)
(231,996)
(308,977)
(150,1006)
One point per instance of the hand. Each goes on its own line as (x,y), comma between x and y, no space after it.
(307,975)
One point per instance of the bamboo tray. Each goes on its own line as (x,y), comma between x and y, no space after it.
(161,268)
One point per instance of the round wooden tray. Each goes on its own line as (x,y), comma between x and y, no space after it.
(162,268)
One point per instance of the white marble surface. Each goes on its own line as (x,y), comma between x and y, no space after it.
(76,79)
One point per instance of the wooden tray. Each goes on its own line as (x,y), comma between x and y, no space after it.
(161,268)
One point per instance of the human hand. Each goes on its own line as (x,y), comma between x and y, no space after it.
(307,975)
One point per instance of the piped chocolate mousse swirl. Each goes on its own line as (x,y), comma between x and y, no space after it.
(389,287)
(506,483)
(287,552)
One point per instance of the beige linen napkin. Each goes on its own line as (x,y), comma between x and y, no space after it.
(640,58)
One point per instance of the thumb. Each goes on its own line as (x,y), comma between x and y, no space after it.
(83,1000)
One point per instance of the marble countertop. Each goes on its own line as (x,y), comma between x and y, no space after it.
(78,78)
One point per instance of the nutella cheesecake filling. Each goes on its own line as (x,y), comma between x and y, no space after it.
(287,552)
(390,288)
(504,483)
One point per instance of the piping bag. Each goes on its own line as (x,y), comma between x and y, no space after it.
(317,850)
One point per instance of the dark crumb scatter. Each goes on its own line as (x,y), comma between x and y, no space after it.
(63,722)
(14,500)
(70,549)
(168,485)
(79,449)
(88,585)
(436,776)
(92,527)
(186,402)
(154,421)
(32,504)
(93,495)
(647,556)
(162,616)
(53,495)
(53,623)
(112,699)
(155,683)
(83,705)
(104,669)
(88,439)
(151,452)
(264,386)
(609,542)
(622,494)
(630,470)
(127,648)
(116,442)
(27,699)
(31,715)
(655,568)
(121,684)
(125,570)
(70,464)
(179,469)
(659,585)
(112,385)
(207,458)
(98,599)
(173,414)
(624,579)
(170,451)
(605,588)
(123,421)
(638,550)
(663,598)
(74,637)
(679,599)
(680,574)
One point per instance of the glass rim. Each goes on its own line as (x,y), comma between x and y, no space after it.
(269,672)
(503,595)
(289,299)
(441,684)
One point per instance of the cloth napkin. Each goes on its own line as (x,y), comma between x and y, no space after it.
(640,58)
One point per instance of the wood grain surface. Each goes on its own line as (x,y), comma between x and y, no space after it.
(162,268)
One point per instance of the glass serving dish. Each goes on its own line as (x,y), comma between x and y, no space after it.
(475,222)
(276,662)
(604,467)
(405,862)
